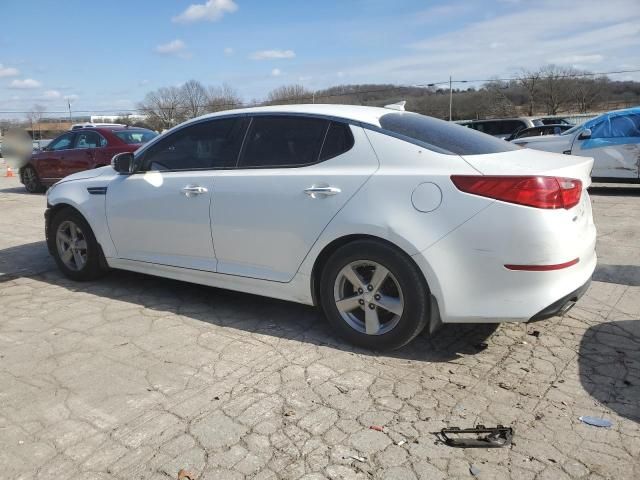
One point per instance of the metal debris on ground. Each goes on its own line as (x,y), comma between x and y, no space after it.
(478,437)
(360,459)
(595,421)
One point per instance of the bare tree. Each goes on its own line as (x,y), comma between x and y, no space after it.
(222,98)
(193,99)
(530,81)
(555,87)
(499,104)
(586,92)
(289,94)
(163,107)
(34,117)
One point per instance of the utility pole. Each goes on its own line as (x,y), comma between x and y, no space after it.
(69,105)
(450,97)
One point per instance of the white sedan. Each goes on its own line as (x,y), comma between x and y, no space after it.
(390,221)
(612,139)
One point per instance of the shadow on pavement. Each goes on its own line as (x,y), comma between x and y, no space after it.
(615,190)
(620,274)
(19,190)
(609,365)
(231,309)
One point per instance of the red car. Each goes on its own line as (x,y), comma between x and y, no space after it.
(80,149)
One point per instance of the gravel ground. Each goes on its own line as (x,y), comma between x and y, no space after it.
(138,377)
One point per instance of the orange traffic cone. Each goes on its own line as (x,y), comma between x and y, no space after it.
(9,172)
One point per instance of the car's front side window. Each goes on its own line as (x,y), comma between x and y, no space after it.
(61,143)
(207,145)
(625,125)
(283,141)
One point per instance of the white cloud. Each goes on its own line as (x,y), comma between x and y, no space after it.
(276,72)
(8,71)
(175,47)
(27,83)
(272,54)
(51,94)
(609,31)
(578,59)
(143,82)
(210,11)
(228,51)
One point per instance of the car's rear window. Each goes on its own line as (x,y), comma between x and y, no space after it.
(135,136)
(441,136)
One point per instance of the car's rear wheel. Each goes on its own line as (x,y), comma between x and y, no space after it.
(31,180)
(75,248)
(374,295)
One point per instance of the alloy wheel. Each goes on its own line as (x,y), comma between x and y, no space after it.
(72,245)
(368,297)
(30,179)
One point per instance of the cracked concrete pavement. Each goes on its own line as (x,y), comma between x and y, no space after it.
(138,377)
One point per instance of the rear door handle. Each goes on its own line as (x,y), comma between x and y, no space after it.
(320,191)
(193,190)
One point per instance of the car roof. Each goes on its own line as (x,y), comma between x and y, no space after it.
(612,113)
(355,113)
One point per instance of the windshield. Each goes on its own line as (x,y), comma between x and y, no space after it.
(135,136)
(573,129)
(443,137)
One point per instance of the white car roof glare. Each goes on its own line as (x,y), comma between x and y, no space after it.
(397,106)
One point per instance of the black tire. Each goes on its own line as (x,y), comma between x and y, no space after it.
(31,180)
(94,266)
(405,275)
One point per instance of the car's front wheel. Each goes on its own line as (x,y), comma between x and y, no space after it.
(374,295)
(31,180)
(74,247)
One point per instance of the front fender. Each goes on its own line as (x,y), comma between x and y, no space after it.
(89,198)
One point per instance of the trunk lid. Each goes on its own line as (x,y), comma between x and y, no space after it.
(533,162)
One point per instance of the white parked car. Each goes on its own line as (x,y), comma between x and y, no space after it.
(611,139)
(388,220)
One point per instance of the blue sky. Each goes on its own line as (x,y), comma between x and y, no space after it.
(107,55)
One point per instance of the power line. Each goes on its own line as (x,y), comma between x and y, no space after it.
(314,96)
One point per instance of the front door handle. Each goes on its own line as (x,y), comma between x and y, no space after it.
(320,191)
(193,190)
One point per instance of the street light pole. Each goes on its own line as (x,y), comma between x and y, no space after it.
(450,97)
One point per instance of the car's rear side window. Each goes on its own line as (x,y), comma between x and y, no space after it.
(283,141)
(338,140)
(441,136)
(135,136)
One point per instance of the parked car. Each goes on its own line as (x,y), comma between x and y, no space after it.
(506,127)
(540,131)
(611,139)
(390,221)
(77,150)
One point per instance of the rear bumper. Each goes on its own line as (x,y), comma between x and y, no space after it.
(562,306)
(467,270)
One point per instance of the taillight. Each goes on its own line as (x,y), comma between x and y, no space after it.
(533,191)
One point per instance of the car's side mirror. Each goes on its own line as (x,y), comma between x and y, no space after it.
(585,134)
(122,162)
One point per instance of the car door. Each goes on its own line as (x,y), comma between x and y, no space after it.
(49,160)
(294,174)
(161,214)
(82,156)
(615,146)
